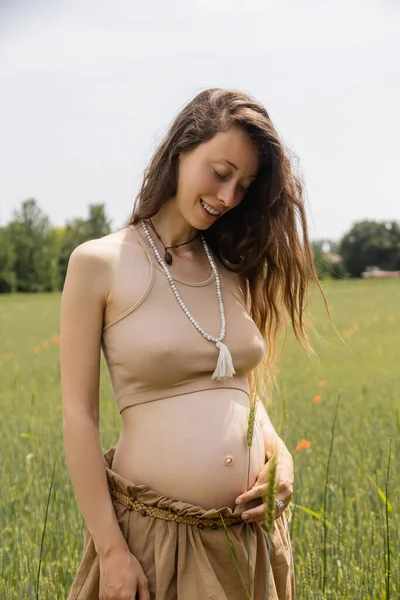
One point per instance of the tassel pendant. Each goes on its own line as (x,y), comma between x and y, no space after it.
(224,369)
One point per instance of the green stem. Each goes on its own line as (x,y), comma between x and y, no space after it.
(235,559)
(43,532)
(268,562)
(387,526)
(248,529)
(326,494)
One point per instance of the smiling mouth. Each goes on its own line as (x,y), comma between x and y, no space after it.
(209,209)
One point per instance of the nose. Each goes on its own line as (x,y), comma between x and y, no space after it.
(227,194)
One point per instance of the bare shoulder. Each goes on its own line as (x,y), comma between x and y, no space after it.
(94,261)
(100,250)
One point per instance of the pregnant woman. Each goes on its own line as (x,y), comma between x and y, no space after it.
(186,303)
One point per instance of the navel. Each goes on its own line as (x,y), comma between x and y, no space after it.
(228,460)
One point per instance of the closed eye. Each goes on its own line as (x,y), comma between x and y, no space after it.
(222,177)
(219,175)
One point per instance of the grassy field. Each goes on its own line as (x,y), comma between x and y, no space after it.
(349,553)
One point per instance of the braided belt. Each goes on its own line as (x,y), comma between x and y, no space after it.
(169,515)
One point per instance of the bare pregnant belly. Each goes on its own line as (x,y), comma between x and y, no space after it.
(191,447)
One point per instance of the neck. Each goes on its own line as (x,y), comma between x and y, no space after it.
(173,228)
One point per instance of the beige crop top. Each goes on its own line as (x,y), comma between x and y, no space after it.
(153,351)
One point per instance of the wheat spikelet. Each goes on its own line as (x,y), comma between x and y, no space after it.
(269,497)
(250,423)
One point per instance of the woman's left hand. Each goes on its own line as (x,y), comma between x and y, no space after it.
(284,478)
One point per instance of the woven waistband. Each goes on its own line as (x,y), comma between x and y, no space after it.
(168,515)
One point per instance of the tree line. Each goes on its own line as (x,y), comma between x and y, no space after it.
(34,255)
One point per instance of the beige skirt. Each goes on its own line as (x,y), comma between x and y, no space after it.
(184,552)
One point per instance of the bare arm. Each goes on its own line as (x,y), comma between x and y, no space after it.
(272,441)
(83,299)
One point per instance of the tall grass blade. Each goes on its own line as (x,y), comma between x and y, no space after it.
(313,513)
(326,494)
(381,494)
(270,509)
(44,531)
(235,558)
(293,507)
(249,441)
(387,526)
(249,577)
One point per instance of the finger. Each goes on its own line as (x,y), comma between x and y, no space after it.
(241,508)
(280,507)
(285,492)
(256,492)
(285,489)
(143,589)
(255,515)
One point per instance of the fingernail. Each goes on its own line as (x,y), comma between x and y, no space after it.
(239,500)
(245,516)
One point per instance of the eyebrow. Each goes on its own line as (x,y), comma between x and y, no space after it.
(233,165)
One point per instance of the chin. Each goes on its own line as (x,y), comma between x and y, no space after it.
(203,227)
(198,223)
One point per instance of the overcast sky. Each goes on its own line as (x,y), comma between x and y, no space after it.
(88,87)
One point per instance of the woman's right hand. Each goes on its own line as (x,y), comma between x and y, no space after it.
(122,577)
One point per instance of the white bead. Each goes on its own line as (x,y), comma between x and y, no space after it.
(176,293)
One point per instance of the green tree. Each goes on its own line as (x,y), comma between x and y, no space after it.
(8,281)
(78,231)
(371,243)
(34,256)
(31,238)
(98,224)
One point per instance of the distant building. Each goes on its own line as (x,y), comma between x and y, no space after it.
(376,272)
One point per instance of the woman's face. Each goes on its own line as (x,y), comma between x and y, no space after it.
(216,173)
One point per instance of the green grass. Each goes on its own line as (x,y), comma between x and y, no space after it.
(360,500)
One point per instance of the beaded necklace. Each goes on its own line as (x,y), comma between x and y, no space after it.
(224,369)
(168,255)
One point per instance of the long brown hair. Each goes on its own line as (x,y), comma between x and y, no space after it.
(259,238)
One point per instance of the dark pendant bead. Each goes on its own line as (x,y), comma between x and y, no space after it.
(168,258)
